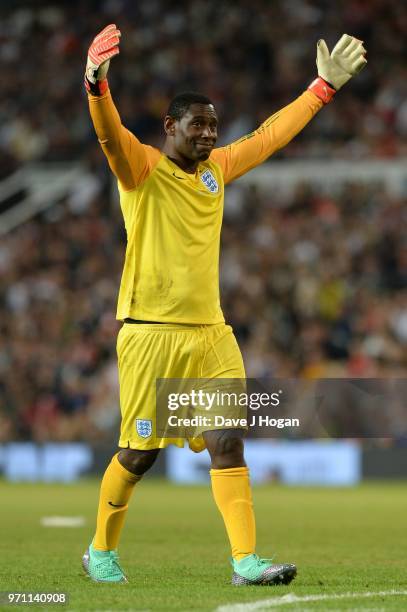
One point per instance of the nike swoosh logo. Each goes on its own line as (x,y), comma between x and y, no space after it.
(181,178)
(116,505)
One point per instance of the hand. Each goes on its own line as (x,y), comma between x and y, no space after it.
(346,60)
(104,46)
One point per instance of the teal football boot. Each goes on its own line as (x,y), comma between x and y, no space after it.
(253,570)
(103,566)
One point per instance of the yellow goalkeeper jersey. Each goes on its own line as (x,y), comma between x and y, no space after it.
(173,219)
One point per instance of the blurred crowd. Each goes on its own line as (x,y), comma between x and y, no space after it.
(313,283)
(314,286)
(250,56)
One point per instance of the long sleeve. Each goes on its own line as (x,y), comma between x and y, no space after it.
(130,160)
(251,150)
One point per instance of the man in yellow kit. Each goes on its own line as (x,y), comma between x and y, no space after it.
(172,203)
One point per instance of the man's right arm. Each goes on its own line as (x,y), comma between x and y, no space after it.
(129,159)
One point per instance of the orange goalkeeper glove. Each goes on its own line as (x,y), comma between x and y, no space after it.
(104,46)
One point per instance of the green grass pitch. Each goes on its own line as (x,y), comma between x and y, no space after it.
(175,552)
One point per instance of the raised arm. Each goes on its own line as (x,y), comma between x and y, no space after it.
(129,159)
(251,150)
(346,59)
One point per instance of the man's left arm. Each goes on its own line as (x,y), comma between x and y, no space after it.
(277,131)
(334,70)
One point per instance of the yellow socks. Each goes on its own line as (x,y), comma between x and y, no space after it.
(232,494)
(115,491)
(231,491)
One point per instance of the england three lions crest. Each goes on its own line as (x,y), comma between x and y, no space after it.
(210,181)
(144,428)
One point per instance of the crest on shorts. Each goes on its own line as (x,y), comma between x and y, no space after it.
(209,181)
(144,427)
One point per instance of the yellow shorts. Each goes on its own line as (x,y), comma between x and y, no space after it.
(150,351)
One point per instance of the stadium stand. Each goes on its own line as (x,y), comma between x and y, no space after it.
(320,290)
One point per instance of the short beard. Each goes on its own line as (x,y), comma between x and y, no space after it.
(204,156)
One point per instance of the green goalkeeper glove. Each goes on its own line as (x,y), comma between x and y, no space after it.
(346,60)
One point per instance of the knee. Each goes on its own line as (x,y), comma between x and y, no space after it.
(226,449)
(137,462)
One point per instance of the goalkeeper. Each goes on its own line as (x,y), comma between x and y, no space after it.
(173,326)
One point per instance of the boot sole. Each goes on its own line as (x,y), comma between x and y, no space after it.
(284,576)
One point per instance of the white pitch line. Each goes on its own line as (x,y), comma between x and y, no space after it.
(290,598)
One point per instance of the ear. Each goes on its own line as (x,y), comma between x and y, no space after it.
(169,125)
